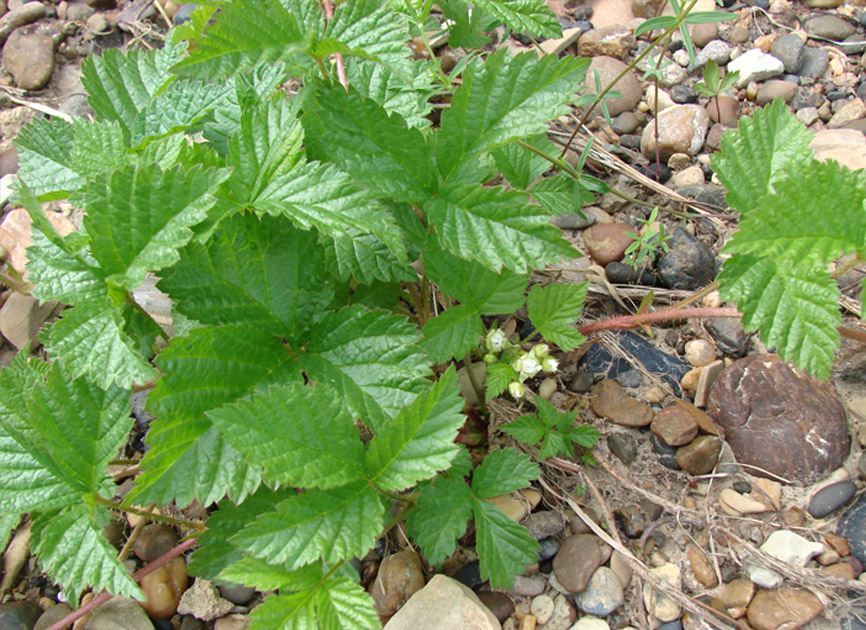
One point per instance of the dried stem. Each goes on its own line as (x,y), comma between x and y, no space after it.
(633,321)
(157,517)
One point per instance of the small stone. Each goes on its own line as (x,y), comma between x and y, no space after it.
(547,548)
(581,383)
(789,50)
(621,568)
(837,544)
(681,129)
(163,589)
(626,122)
(702,567)
(841,569)
(738,593)
(154,541)
(609,400)
(699,352)
(564,614)
(829,27)
(499,604)
(202,600)
(590,623)
(683,94)
(846,146)
(455,606)
(706,193)
(573,221)
(755,65)
(716,51)
(739,34)
(783,609)
(20,615)
(237,594)
(662,607)
(528,586)
(787,547)
(547,388)
(735,504)
(578,558)
(28,56)
(689,263)
(8,161)
(624,446)
(830,498)
(728,334)
(667,454)
(707,377)
(675,425)
(700,456)
(703,34)
(690,379)
(629,86)
(679,161)
(768,492)
(612,41)
(771,90)
(514,506)
(691,176)
(51,616)
(22,317)
(119,613)
(607,242)
(815,62)
(603,594)
(400,576)
(184,14)
(98,23)
(724,109)
(542,608)
(646,8)
(232,622)
(544,524)
(853,110)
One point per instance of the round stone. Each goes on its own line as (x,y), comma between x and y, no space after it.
(830,498)
(699,457)
(603,594)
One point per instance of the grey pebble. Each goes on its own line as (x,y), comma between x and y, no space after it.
(624,446)
(789,50)
(602,595)
(667,454)
(852,527)
(815,62)
(689,264)
(830,498)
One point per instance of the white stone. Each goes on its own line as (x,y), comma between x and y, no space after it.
(785,546)
(542,607)
(590,623)
(661,606)
(846,146)
(443,604)
(756,65)
(700,352)
(736,504)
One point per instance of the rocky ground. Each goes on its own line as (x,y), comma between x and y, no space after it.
(733,481)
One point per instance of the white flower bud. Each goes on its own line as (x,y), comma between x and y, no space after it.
(495,340)
(540,350)
(527,366)
(516,389)
(490,358)
(549,364)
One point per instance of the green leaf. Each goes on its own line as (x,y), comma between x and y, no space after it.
(793,224)
(363,257)
(73,550)
(98,147)
(502,472)
(375,147)
(758,154)
(138,218)
(419,441)
(8,523)
(473,284)
(329,524)
(560,195)
(584,435)
(527,429)
(239,40)
(554,443)
(504,547)
(257,272)
(554,308)
(406,96)
(795,307)
(251,571)
(440,517)
(370,357)
(307,438)
(660,22)
(496,227)
(707,17)
(532,17)
(45,150)
(499,376)
(508,98)
(451,334)
(519,165)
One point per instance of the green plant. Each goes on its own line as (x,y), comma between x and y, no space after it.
(714,85)
(553,429)
(645,246)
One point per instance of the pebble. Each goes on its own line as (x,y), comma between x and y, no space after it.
(703,34)
(667,454)
(724,109)
(666,367)
(853,110)
(728,335)
(237,594)
(590,623)
(738,593)
(846,146)
(528,586)
(544,524)
(624,446)
(789,50)
(400,576)
(689,263)
(620,273)
(768,492)
(807,115)
(609,400)
(629,86)
(736,504)
(612,41)
(163,589)
(739,34)
(681,128)
(516,505)
(581,382)
(573,221)
(771,90)
(547,548)
(564,614)
(499,604)
(688,177)
(52,615)
(706,193)
(455,605)
(706,378)
(232,622)
(21,615)
(547,388)
(702,567)
(852,527)
(184,14)
(603,594)
(783,609)
(700,456)
(780,419)
(470,574)
(662,607)
(815,62)
(700,352)
(154,541)
(28,56)
(828,26)
(578,558)
(755,65)
(542,608)
(716,51)
(119,613)
(788,547)
(626,122)
(830,498)
(674,425)
(607,242)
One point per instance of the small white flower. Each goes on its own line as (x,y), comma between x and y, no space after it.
(527,366)
(549,364)
(495,340)
(540,350)
(516,389)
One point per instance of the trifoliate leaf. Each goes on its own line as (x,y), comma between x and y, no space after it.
(795,307)
(554,443)
(440,518)
(506,98)
(370,357)
(45,158)
(364,258)
(793,224)
(505,548)
(531,17)
(419,441)
(451,334)
(502,472)
(473,284)
(499,375)
(584,435)
(756,155)
(519,165)
(496,227)
(554,309)
(258,272)
(329,524)
(72,548)
(376,148)
(139,217)
(301,436)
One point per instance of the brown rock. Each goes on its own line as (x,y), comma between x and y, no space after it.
(400,576)
(846,146)
(203,601)
(163,589)
(674,425)
(628,86)
(611,41)
(768,492)
(841,569)
(714,138)
(837,544)
(154,541)
(700,456)
(738,593)
(28,56)
(771,90)
(701,567)
(22,317)
(783,609)
(8,161)
(780,419)
(682,129)
(232,622)
(739,34)
(708,376)
(703,34)
(728,107)
(705,423)
(647,8)
(577,559)
(609,400)
(607,242)
(853,110)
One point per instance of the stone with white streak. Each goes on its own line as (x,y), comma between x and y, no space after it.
(756,65)
(788,547)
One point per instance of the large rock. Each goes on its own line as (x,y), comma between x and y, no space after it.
(612,41)
(28,56)
(629,86)
(682,129)
(780,419)
(783,609)
(846,146)
(444,604)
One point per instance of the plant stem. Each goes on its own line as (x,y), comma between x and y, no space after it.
(633,321)
(479,392)
(338,57)
(156,517)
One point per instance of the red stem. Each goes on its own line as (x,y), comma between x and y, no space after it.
(633,321)
(105,596)
(338,57)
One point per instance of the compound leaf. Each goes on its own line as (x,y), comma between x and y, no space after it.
(503,471)
(505,548)
(443,509)
(519,165)
(363,257)
(451,334)
(45,162)
(532,17)
(527,429)
(554,308)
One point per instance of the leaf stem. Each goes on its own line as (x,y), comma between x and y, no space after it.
(476,386)
(633,321)
(157,517)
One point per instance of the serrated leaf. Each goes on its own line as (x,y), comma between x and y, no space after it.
(503,471)
(45,158)
(375,147)
(554,443)
(330,524)
(139,217)
(98,147)
(73,550)
(793,224)
(583,435)
(354,255)
(370,357)
(8,522)
(560,195)
(473,284)
(71,277)
(519,165)
(440,517)
(451,334)
(307,438)
(409,99)
(496,227)
(505,548)
(258,272)
(755,156)
(532,17)
(239,40)
(499,375)
(527,429)
(554,308)
(795,307)
(419,441)
(508,98)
